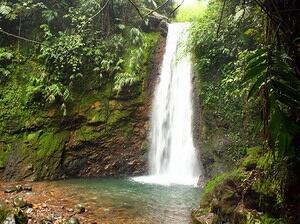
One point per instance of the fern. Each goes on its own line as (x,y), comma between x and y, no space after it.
(271,70)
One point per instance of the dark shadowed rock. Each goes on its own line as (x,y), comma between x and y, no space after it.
(163,28)
(19,188)
(10,190)
(27,188)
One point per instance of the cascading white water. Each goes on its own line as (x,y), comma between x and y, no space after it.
(173,157)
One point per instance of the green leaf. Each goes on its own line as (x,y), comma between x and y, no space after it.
(256,61)
(255,72)
(285,89)
(5,10)
(256,87)
(287,100)
(256,54)
(285,143)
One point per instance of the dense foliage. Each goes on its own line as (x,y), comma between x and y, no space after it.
(249,75)
(246,55)
(220,51)
(73,41)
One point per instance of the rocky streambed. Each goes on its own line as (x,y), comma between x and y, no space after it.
(108,200)
(43,202)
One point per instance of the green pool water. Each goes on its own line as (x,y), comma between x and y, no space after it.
(127,201)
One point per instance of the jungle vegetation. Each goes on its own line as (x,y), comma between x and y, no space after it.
(246,54)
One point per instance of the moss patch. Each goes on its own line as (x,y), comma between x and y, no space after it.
(5,150)
(218,182)
(118,115)
(51,142)
(87,133)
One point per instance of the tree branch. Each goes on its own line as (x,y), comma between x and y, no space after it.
(159,7)
(20,38)
(136,8)
(176,8)
(221,18)
(92,17)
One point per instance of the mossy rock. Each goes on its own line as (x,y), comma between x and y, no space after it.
(51,142)
(5,150)
(33,137)
(219,182)
(87,133)
(98,118)
(118,115)
(35,155)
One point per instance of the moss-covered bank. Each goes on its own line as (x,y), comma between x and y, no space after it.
(246,195)
(103,133)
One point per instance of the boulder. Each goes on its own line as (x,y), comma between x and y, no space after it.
(155,23)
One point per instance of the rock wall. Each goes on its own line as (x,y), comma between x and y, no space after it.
(103,135)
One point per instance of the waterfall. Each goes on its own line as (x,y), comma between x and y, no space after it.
(173,157)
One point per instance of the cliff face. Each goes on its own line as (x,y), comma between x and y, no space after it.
(104,133)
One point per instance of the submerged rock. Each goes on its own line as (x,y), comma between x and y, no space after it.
(20,202)
(10,219)
(79,208)
(72,220)
(46,221)
(70,209)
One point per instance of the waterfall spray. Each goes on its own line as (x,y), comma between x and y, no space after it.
(173,157)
